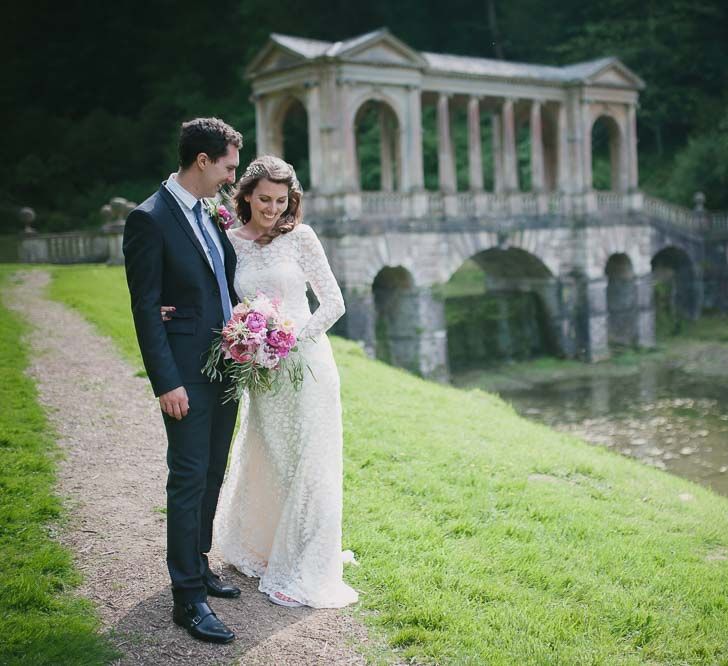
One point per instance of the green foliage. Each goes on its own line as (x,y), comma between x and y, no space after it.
(295,148)
(368,138)
(703,166)
(116,85)
(485,538)
(43,623)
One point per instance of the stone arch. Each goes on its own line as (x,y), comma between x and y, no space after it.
(291,122)
(676,286)
(606,127)
(391,122)
(622,305)
(537,242)
(277,111)
(602,242)
(396,317)
(501,304)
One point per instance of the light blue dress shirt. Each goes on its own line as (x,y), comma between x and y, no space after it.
(186,202)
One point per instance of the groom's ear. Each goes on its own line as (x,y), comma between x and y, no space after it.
(203,160)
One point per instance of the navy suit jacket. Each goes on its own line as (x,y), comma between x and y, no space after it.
(166,265)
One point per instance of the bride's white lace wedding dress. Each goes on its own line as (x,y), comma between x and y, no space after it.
(279,515)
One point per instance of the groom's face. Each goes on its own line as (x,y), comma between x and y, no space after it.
(221,172)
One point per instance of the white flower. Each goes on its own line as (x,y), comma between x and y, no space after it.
(261,303)
(264,358)
(286,325)
(242,308)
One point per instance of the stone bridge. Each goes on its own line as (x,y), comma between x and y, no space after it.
(539,193)
(537,225)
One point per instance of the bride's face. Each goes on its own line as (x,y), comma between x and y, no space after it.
(268,202)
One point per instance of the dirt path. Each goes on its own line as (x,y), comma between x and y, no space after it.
(112,479)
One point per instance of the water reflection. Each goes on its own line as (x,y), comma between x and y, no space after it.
(663,416)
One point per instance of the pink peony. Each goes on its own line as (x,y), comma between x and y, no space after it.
(255,322)
(281,341)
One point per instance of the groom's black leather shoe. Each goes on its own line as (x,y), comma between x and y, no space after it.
(201,622)
(216,587)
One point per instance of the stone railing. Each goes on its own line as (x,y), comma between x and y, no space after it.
(435,204)
(428,204)
(68,248)
(381,204)
(611,201)
(678,216)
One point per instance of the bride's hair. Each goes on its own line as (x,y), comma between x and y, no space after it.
(275,170)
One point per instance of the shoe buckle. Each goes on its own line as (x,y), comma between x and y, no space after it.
(196,620)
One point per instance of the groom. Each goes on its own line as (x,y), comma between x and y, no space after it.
(175,254)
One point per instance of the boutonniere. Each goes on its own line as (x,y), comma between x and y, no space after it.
(219,214)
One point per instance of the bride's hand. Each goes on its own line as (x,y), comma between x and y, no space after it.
(164,310)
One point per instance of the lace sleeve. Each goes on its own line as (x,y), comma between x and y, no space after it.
(318,274)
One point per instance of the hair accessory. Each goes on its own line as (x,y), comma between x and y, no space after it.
(255,169)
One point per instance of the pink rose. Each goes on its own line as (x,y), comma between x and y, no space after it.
(240,353)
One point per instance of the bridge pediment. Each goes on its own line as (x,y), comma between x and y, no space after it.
(614,74)
(278,59)
(379,47)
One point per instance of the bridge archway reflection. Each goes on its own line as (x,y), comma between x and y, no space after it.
(677,290)
(622,303)
(396,318)
(501,304)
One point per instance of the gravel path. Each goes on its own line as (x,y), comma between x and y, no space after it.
(112,480)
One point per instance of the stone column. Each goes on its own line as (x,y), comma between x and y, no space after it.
(433,363)
(548,290)
(569,298)
(633,180)
(261,128)
(497,138)
(562,139)
(313,110)
(386,140)
(645,311)
(445,161)
(475,154)
(537,167)
(415,171)
(510,163)
(586,147)
(596,316)
(273,125)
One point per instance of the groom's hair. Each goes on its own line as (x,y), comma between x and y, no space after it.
(206,135)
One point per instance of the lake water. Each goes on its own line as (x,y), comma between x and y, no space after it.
(662,416)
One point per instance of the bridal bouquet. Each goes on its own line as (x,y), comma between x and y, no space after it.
(253,349)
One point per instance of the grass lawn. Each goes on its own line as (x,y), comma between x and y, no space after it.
(485,538)
(42,622)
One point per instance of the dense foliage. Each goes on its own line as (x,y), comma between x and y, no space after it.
(92,93)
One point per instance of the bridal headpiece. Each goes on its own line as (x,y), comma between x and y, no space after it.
(255,169)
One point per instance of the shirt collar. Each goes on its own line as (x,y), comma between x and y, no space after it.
(188,199)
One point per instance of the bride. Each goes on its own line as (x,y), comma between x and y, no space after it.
(279,515)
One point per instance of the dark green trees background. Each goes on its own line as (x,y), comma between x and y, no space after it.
(93,93)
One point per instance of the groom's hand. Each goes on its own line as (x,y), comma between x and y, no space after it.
(174,403)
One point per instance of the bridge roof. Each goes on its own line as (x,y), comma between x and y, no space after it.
(441,63)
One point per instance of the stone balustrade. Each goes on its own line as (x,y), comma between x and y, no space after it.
(504,209)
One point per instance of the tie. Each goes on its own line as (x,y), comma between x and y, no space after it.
(217,265)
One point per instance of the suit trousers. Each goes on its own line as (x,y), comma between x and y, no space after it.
(197,452)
